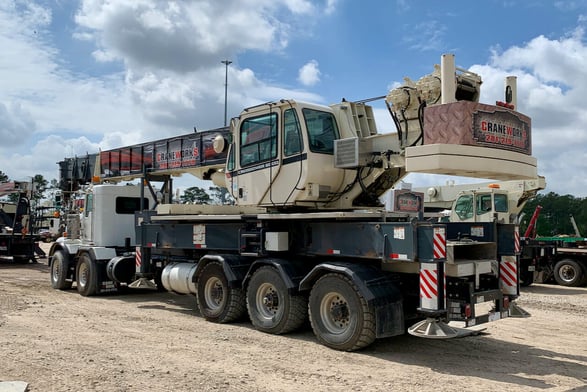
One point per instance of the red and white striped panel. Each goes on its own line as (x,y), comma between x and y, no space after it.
(517,240)
(138,258)
(508,275)
(439,241)
(430,285)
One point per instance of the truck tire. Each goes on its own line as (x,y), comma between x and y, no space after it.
(526,276)
(340,316)
(216,300)
(568,272)
(271,307)
(59,270)
(86,275)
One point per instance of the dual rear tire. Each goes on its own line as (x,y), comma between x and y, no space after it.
(340,316)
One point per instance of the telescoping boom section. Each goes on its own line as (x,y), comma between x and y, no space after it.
(304,235)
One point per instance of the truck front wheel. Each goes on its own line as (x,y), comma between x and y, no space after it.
(59,270)
(217,301)
(271,307)
(568,272)
(340,316)
(86,276)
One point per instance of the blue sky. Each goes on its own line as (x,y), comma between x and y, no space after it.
(80,75)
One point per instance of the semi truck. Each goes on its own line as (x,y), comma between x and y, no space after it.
(307,237)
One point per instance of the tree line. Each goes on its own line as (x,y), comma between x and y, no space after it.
(555,215)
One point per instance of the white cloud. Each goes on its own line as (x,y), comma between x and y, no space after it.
(551,86)
(16,125)
(181,36)
(309,74)
(331,6)
(165,75)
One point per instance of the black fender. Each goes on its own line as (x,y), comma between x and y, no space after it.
(378,288)
(291,272)
(235,267)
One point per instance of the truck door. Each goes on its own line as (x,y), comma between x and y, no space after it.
(257,157)
(86,224)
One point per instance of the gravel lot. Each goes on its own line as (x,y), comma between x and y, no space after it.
(60,341)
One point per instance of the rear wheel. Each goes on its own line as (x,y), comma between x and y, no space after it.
(59,270)
(217,301)
(526,275)
(568,272)
(271,308)
(86,276)
(339,314)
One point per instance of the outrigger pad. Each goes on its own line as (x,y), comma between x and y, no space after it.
(142,283)
(433,329)
(518,312)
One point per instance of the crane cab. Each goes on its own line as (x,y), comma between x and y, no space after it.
(483,205)
(282,155)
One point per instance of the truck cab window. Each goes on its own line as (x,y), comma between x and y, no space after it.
(322,130)
(89,204)
(128,205)
(501,203)
(483,204)
(230,158)
(293,143)
(464,207)
(258,138)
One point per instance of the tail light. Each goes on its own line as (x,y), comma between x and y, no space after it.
(467,311)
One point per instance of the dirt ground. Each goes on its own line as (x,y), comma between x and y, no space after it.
(60,341)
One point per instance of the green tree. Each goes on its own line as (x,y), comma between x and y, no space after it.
(195,195)
(3,176)
(40,185)
(555,215)
(221,196)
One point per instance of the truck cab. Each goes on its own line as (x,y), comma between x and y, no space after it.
(107,218)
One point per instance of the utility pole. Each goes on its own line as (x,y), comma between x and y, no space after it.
(226,63)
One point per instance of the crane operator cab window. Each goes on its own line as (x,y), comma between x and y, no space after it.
(322,130)
(501,202)
(293,137)
(258,139)
(492,203)
(464,207)
(483,204)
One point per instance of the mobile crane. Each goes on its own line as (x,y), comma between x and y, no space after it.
(308,236)
(482,202)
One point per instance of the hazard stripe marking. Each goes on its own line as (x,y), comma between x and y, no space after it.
(428,284)
(439,243)
(138,257)
(508,273)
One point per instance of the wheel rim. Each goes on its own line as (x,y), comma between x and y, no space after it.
(214,294)
(567,273)
(82,276)
(334,313)
(56,268)
(267,301)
